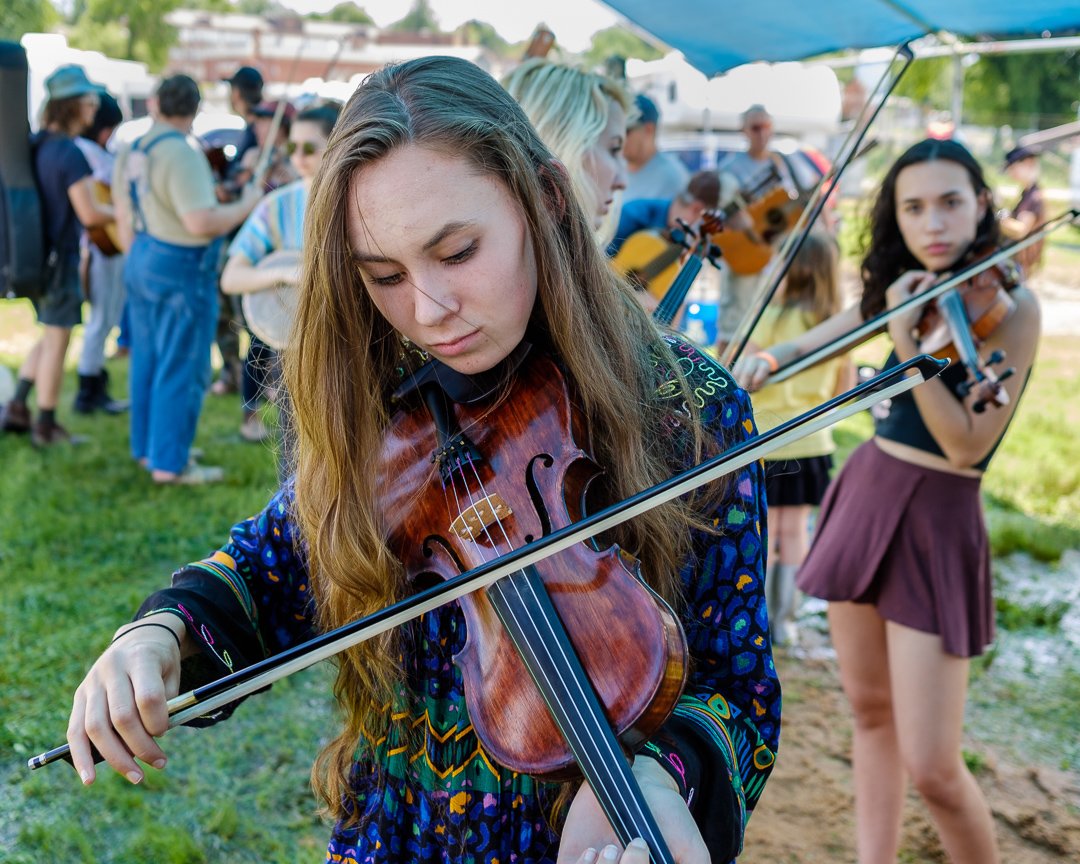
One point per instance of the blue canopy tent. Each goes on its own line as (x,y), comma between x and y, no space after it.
(716,36)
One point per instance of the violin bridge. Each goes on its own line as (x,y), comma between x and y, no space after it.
(474,520)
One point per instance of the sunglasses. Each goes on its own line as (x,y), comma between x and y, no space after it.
(307,148)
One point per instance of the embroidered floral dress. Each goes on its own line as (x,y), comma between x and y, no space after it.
(446,801)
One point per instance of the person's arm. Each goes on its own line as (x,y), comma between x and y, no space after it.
(240,276)
(248,600)
(90,213)
(121,195)
(964,436)
(730,708)
(753,370)
(219,219)
(1019,226)
(247,269)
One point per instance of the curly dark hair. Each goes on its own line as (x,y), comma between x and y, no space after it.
(887,256)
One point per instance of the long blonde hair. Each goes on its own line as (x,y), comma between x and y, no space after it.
(345,360)
(569,108)
(812,284)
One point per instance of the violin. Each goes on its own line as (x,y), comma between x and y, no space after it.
(701,249)
(560,657)
(955,325)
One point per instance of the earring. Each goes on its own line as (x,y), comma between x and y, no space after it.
(410,353)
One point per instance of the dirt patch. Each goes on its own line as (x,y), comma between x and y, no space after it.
(807,812)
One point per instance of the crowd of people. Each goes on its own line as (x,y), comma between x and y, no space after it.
(443,233)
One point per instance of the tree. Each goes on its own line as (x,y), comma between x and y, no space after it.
(1030,90)
(148,36)
(620,42)
(1036,90)
(420,19)
(481,33)
(348,13)
(25,16)
(265,8)
(928,82)
(220,7)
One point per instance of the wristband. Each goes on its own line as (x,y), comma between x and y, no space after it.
(152,624)
(770,361)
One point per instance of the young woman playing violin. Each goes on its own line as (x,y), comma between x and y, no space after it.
(443,237)
(901,550)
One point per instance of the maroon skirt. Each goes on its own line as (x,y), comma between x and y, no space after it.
(910,540)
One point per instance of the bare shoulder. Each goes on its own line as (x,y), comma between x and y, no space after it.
(1024,323)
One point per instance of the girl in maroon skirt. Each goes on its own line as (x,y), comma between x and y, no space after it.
(901,550)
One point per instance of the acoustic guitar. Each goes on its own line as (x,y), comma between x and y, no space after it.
(772,210)
(104,237)
(650,260)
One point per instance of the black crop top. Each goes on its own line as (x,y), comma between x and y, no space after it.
(904,424)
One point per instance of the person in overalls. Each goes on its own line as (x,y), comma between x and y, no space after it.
(169,217)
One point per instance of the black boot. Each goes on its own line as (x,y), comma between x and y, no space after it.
(86,400)
(104,401)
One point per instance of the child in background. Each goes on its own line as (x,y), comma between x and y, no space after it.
(796,475)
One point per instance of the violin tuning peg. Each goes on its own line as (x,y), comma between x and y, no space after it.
(979,407)
(1008,373)
(996,357)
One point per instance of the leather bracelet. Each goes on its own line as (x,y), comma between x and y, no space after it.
(771,361)
(152,624)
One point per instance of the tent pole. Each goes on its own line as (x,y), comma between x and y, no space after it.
(781,261)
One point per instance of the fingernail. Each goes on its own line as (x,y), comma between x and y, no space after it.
(84,775)
(611,853)
(590,855)
(639,843)
(134,776)
(159,764)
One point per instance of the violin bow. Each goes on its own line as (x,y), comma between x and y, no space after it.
(850,150)
(873,325)
(210,697)
(262,166)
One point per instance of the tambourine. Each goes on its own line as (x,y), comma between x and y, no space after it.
(270,312)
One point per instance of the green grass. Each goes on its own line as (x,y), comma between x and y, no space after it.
(84,536)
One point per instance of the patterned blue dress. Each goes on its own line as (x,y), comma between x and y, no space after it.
(444,800)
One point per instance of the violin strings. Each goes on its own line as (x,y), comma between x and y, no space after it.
(603,744)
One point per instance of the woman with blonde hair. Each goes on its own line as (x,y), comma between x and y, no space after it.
(581,116)
(439,245)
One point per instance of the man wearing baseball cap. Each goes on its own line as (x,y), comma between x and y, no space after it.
(68,205)
(245,92)
(650,173)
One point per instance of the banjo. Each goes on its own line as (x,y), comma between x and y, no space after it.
(270,312)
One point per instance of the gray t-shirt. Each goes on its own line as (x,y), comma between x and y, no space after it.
(741,173)
(663,176)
